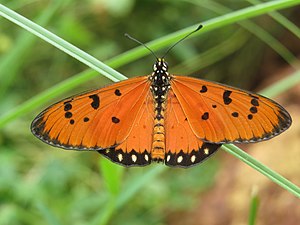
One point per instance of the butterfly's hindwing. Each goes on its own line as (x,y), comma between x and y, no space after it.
(183,148)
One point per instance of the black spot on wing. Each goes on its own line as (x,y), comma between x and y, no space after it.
(203,89)
(68,106)
(205,116)
(253,109)
(226,97)
(68,115)
(96,101)
(115,119)
(254,102)
(235,114)
(118,92)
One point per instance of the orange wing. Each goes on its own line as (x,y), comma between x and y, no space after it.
(136,149)
(183,148)
(99,119)
(222,114)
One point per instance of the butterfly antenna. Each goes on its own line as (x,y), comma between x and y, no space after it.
(141,43)
(198,28)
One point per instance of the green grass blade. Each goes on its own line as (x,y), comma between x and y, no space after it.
(275,177)
(254,204)
(282,20)
(112,175)
(282,85)
(61,44)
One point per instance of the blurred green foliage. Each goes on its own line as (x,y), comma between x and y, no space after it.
(43,185)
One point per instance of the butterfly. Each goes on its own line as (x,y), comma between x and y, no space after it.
(161,117)
(178,120)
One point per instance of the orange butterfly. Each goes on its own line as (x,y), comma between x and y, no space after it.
(178,120)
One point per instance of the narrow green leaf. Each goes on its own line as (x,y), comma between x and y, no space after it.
(282,20)
(254,204)
(112,175)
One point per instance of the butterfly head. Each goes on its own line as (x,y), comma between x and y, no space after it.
(160,66)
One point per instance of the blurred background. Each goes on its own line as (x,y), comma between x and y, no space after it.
(40,184)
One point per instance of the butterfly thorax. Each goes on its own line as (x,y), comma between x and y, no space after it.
(160,85)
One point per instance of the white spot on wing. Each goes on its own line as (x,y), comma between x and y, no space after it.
(168,158)
(193,158)
(179,159)
(206,151)
(146,157)
(134,158)
(120,157)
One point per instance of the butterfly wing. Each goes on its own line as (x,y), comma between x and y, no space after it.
(96,120)
(222,114)
(183,148)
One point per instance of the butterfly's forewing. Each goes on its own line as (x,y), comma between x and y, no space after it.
(222,114)
(95,120)
(183,148)
(136,149)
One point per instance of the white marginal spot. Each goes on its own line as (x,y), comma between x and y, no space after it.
(206,151)
(179,159)
(134,158)
(120,157)
(146,157)
(168,158)
(193,158)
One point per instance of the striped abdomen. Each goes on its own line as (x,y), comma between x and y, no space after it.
(158,145)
